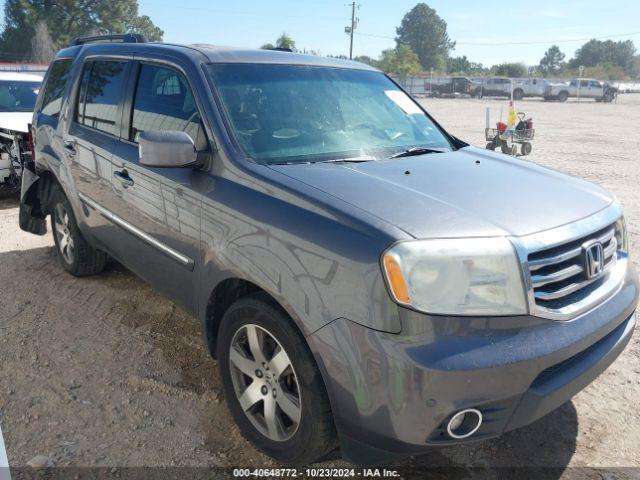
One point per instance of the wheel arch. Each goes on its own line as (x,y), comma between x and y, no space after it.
(225,294)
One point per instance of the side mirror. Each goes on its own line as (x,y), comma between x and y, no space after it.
(166,149)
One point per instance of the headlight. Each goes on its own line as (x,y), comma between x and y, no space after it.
(474,276)
(621,236)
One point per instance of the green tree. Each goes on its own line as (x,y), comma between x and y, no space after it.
(426,33)
(513,70)
(366,59)
(594,52)
(400,60)
(284,41)
(552,62)
(462,65)
(67,19)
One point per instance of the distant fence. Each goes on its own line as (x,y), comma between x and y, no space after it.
(23,67)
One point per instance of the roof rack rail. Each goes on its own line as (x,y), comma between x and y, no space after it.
(115,38)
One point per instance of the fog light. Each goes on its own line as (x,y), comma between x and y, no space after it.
(464,423)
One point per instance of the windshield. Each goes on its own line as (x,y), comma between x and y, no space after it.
(17,96)
(292,113)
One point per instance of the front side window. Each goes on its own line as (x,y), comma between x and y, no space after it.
(17,96)
(100,94)
(57,79)
(164,102)
(296,113)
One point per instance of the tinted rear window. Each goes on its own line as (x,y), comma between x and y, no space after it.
(100,95)
(55,86)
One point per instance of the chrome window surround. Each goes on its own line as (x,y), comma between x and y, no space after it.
(528,244)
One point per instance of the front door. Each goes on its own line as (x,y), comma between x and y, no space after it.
(159,208)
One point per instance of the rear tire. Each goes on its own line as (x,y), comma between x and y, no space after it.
(563,96)
(518,94)
(244,363)
(77,256)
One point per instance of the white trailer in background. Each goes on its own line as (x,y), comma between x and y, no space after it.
(18,92)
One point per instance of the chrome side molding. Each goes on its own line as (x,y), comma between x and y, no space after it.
(164,248)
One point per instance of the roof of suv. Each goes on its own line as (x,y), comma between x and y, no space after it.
(219,54)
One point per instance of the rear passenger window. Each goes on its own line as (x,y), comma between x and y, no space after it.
(100,93)
(164,102)
(51,101)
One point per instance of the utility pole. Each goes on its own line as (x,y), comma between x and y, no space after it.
(349,30)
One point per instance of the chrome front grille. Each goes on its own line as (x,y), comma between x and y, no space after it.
(560,278)
(559,275)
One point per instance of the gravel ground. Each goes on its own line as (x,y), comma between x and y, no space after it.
(103,371)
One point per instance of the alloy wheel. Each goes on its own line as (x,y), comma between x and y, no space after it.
(265,382)
(63,233)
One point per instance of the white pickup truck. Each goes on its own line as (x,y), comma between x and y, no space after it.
(580,88)
(18,92)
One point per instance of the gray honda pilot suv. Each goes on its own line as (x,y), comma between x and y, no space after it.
(365,279)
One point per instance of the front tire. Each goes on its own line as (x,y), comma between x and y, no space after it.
(272,385)
(563,96)
(76,255)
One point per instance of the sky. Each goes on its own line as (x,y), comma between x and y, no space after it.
(319,24)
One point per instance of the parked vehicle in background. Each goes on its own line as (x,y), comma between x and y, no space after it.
(18,93)
(581,87)
(528,87)
(364,278)
(447,86)
(491,87)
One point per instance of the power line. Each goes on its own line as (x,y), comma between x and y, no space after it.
(546,42)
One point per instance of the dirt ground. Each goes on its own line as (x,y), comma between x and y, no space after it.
(103,371)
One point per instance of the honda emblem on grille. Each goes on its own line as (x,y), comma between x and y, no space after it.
(594,259)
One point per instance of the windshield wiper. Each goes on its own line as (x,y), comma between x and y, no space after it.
(412,152)
(333,160)
(348,160)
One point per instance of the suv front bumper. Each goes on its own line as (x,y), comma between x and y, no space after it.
(394,393)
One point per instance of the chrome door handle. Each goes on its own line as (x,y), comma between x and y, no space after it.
(124,178)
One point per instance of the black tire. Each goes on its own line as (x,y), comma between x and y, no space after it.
(315,435)
(85,259)
(518,94)
(478,93)
(563,96)
(491,146)
(526,148)
(504,148)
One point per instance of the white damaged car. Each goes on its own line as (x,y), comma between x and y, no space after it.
(18,93)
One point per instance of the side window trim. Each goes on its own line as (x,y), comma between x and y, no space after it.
(83,101)
(92,59)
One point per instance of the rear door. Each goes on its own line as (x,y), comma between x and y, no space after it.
(160,207)
(93,136)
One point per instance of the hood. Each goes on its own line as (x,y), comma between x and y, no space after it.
(15,121)
(466,193)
